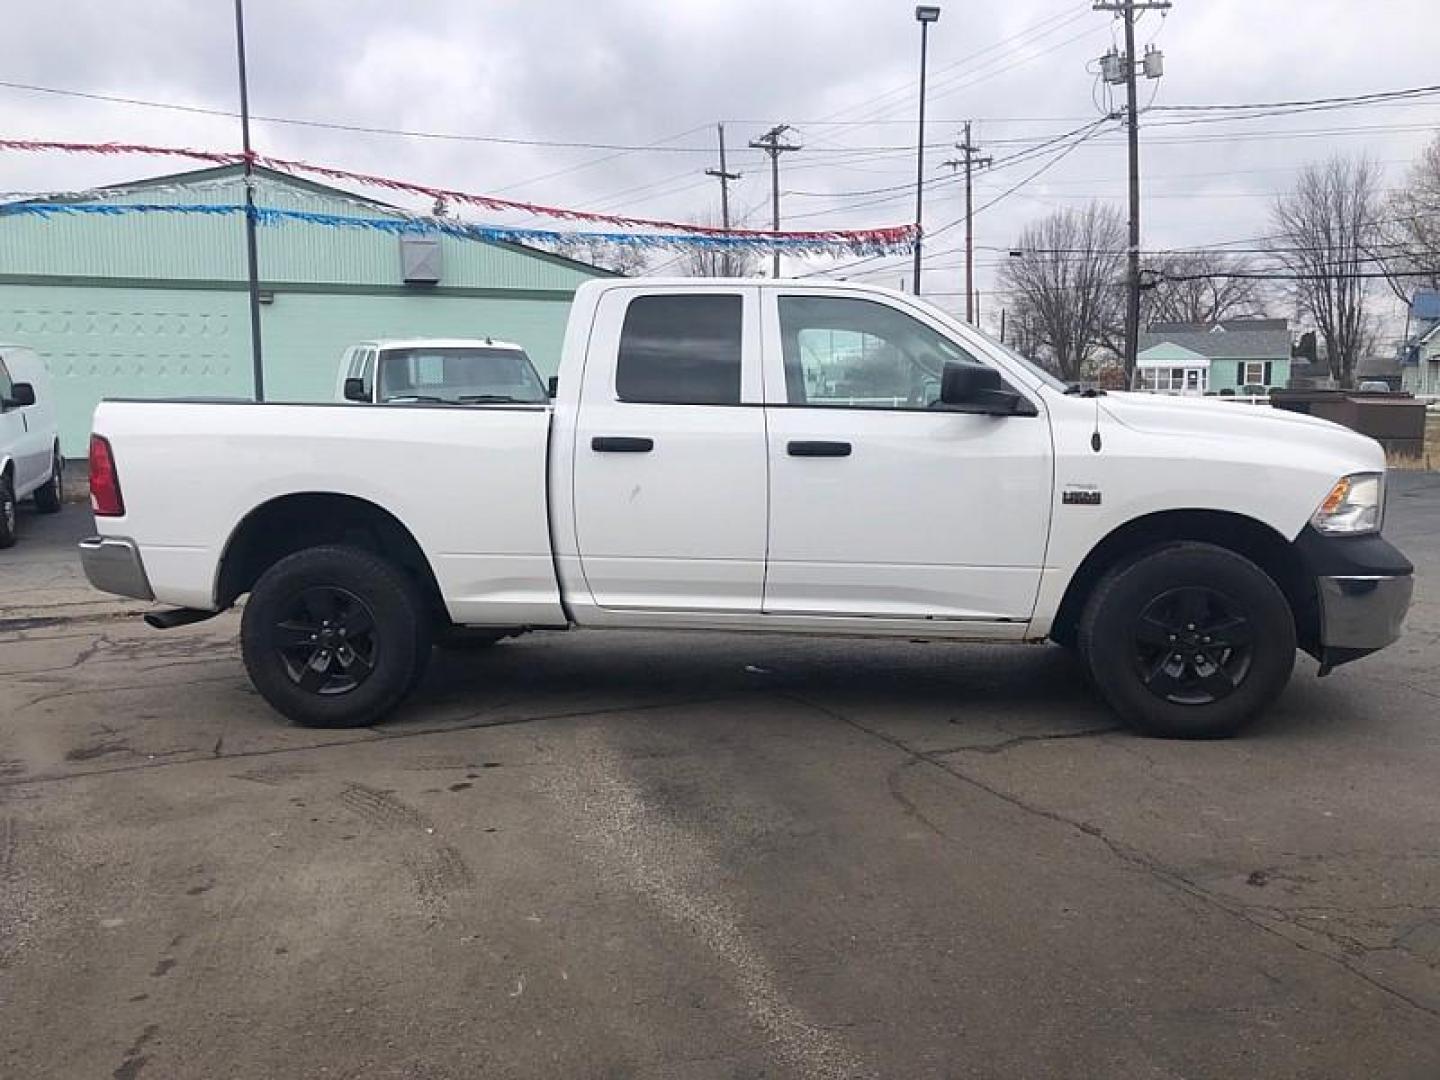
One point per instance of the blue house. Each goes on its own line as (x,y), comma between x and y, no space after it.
(1238,355)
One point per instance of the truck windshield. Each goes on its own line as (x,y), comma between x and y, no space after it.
(459,376)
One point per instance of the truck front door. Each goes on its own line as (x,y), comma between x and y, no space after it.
(670,491)
(882,504)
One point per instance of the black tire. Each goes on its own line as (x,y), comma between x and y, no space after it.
(1188,641)
(50,497)
(299,649)
(7,512)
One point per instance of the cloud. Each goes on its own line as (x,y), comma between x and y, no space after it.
(662,71)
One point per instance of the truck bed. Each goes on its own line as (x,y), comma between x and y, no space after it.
(469,484)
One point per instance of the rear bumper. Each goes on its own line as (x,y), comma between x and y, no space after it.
(113,565)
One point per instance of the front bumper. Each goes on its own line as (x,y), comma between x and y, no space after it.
(1363,613)
(1363,587)
(113,565)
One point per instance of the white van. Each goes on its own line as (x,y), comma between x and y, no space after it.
(450,371)
(30,461)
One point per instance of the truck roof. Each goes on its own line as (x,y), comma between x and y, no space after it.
(788,284)
(439,343)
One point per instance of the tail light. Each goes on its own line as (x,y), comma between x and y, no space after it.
(105,497)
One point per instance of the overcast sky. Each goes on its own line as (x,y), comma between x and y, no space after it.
(630,72)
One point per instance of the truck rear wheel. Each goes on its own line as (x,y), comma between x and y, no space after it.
(1188,641)
(334,637)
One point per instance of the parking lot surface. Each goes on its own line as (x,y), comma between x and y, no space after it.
(690,855)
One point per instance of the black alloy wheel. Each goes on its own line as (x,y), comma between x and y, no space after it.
(1188,640)
(335,636)
(326,640)
(1193,645)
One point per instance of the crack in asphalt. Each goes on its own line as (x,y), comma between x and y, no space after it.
(1131,856)
(1021,740)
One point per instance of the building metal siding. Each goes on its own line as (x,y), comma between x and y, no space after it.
(213,248)
(154,305)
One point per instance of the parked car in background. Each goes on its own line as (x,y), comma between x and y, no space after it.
(1374,386)
(708,463)
(30,461)
(451,371)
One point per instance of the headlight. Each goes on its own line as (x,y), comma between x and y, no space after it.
(1355,505)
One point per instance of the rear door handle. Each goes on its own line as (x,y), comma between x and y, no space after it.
(621,444)
(818,449)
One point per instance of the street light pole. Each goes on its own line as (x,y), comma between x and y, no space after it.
(252,262)
(925,14)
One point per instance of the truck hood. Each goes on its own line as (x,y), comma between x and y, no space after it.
(1211,418)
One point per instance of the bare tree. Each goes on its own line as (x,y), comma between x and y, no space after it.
(1066,285)
(702,261)
(624,259)
(1200,287)
(1327,228)
(1409,246)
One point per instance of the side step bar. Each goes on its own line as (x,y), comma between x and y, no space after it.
(168,620)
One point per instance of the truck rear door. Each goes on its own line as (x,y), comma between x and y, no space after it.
(670,488)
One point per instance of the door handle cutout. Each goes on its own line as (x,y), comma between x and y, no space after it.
(818,449)
(621,444)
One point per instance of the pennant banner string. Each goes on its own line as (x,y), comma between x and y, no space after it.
(867,243)
(822,240)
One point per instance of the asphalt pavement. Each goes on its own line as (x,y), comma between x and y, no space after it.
(704,855)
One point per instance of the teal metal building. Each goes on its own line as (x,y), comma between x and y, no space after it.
(156,304)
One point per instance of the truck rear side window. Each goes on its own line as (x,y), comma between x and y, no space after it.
(681,350)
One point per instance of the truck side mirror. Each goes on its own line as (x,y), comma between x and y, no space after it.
(21,395)
(977,388)
(552,386)
(355,390)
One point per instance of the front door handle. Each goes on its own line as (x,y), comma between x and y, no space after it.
(621,444)
(818,449)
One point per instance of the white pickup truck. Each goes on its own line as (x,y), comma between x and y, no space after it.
(761,456)
(446,371)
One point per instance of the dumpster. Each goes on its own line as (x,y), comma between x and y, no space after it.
(1397,421)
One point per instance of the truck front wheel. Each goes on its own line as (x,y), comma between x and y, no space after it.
(334,637)
(1189,640)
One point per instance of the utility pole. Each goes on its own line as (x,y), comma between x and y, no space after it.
(727,263)
(1115,69)
(771,144)
(252,259)
(724,178)
(969,161)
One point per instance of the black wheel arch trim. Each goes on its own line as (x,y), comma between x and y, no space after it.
(245,558)
(1350,556)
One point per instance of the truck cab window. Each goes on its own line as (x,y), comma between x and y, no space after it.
(861,354)
(681,350)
